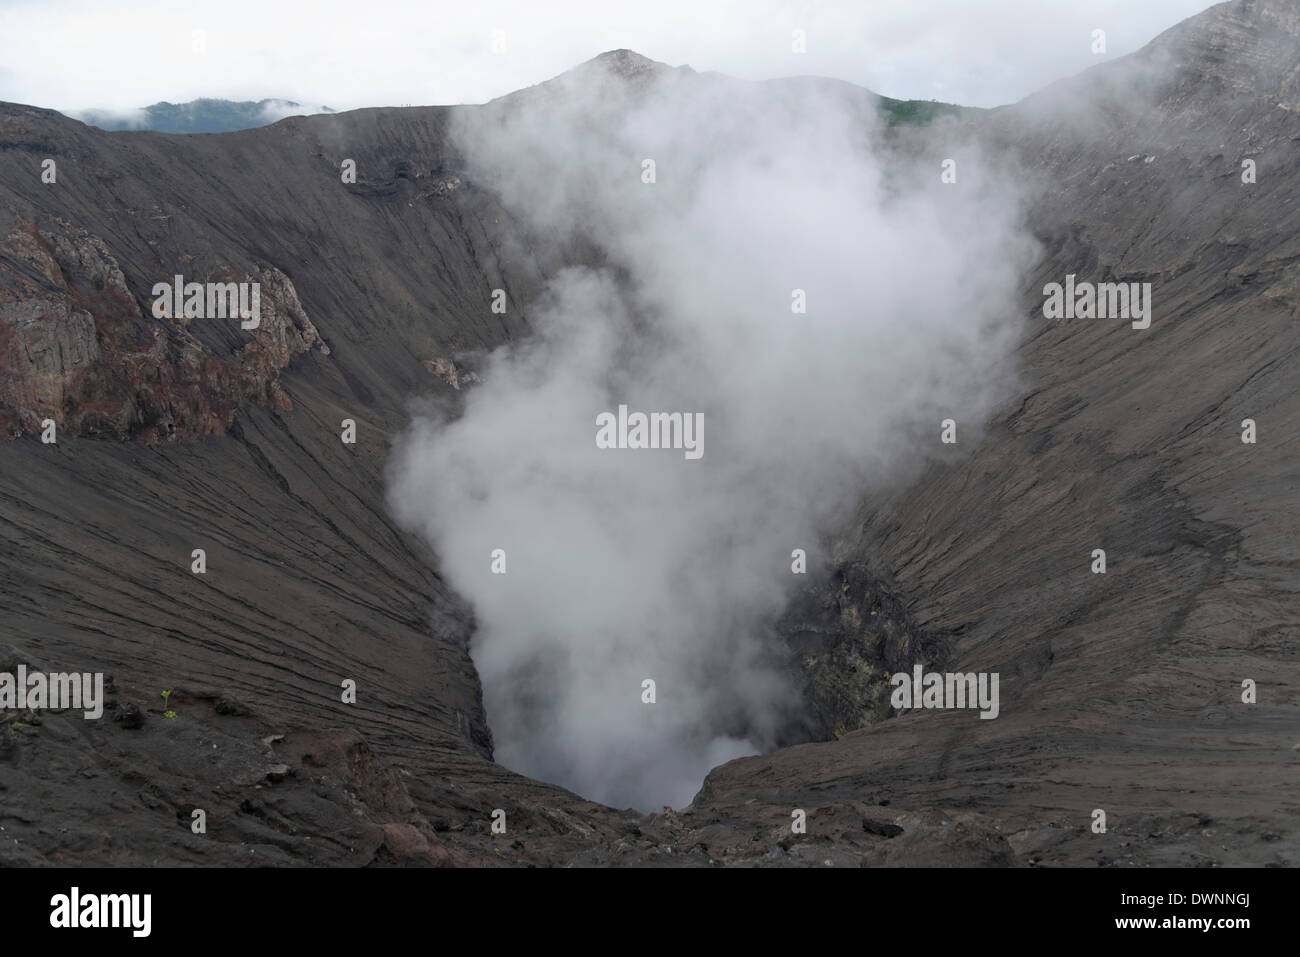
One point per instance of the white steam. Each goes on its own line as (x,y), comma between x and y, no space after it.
(630,564)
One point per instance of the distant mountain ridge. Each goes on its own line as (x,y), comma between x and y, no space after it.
(208,115)
(640,70)
(198,116)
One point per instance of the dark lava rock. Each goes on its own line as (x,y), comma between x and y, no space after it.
(129,716)
(881,829)
(228,705)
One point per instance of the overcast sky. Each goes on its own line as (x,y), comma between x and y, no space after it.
(72,54)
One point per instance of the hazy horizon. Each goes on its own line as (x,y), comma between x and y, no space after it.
(985,56)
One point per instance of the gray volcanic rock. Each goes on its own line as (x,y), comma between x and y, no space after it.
(1120,692)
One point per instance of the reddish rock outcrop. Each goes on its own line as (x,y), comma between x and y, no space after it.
(77,348)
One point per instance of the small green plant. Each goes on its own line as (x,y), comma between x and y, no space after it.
(168,713)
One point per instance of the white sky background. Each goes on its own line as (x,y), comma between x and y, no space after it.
(76,54)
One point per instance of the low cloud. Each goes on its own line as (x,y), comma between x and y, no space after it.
(273,111)
(137,119)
